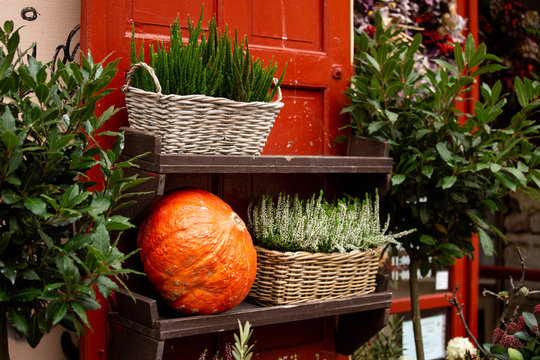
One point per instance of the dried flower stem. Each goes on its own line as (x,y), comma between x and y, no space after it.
(459,308)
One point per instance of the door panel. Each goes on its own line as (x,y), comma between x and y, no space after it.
(155,17)
(288,24)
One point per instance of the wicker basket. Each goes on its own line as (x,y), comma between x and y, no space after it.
(200,124)
(294,277)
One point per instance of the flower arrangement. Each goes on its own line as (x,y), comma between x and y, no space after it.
(519,336)
(460,348)
(437,20)
(312,249)
(315,225)
(516,337)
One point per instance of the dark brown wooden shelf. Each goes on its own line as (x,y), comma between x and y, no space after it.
(147,324)
(148,329)
(138,142)
(143,315)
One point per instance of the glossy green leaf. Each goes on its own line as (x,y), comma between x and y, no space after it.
(81,313)
(398,179)
(514,354)
(445,154)
(521,92)
(530,319)
(9,139)
(35,205)
(18,321)
(99,205)
(77,242)
(34,331)
(486,243)
(117,222)
(427,239)
(448,181)
(88,303)
(27,294)
(487,69)
(460,59)
(470,47)
(9,197)
(427,170)
(451,250)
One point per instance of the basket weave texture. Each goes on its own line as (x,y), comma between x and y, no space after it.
(200,124)
(294,277)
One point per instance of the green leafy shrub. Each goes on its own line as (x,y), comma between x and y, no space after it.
(451,169)
(213,65)
(316,225)
(55,243)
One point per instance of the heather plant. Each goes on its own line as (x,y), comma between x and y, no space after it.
(316,225)
(214,65)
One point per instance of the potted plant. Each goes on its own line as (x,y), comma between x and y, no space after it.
(205,97)
(56,251)
(312,249)
(450,168)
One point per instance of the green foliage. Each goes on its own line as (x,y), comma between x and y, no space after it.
(450,169)
(315,225)
(213,65)
(55,244)
(384,345)
(241,350)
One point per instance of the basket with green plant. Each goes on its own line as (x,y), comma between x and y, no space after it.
(209,96)
(313,249)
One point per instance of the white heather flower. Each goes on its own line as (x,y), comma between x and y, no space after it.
(458,347)
(316,225)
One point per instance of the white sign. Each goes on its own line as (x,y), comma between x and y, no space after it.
(441,280)
(433,336)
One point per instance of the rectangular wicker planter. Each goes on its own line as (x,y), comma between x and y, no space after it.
(200,124)
(295,277)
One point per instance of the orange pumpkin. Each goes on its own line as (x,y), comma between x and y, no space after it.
(197,252)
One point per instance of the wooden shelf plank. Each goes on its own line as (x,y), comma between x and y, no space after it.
(169,327)
(138,142)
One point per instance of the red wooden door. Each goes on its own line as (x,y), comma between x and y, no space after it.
(312,36)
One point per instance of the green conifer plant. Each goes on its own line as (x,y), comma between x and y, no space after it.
(213,64)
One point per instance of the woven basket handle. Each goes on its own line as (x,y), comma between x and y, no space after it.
(150,71)
(278,90)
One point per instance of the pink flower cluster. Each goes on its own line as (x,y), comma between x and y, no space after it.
(506,338)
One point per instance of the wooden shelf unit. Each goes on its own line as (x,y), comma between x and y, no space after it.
(153,331)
